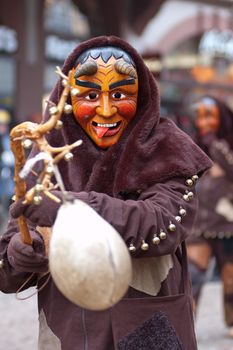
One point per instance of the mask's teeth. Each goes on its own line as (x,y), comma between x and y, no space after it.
(107,125)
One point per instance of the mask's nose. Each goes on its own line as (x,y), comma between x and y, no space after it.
(106,109)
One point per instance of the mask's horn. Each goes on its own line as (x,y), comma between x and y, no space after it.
(87,68)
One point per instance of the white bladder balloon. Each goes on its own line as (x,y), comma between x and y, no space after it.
(89,261)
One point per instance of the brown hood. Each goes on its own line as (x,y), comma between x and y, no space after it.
(150,150)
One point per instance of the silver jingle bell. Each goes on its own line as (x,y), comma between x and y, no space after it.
(27,143)
(156,240)
(132,248)
(68,109)
(162,235)
(49,170)
(186,197)
(1,263)
(190,195)
(182,211)
(37,200)
(195,177)
(68,156)
(39,187)
(53,110)
(178,218)
(172,227)
(75,92)
(144,246)
(189,182)
(59,125)
(64,82)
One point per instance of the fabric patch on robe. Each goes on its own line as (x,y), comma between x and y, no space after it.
(149,273)
(155,334)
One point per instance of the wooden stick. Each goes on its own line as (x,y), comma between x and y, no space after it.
(35,132)
(20,187)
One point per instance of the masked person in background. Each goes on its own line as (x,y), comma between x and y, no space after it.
(138,171)
(213,231)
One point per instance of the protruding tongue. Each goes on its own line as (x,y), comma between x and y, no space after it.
(101,131)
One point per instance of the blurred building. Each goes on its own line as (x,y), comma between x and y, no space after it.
(37,35)
(195,48)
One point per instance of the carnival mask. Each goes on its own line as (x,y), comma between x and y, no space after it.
(107,96)
(207,116)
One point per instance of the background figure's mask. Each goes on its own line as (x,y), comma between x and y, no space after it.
(207,116)
(107,89)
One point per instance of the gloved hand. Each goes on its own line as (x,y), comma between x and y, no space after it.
(25,258)
(43,215)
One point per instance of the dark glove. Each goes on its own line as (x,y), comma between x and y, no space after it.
(25,258)
(43,215)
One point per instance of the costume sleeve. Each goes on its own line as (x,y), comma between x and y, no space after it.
(222,154)
(10,279)
(157,222)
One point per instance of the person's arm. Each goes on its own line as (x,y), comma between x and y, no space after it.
(137,221)
(158,208)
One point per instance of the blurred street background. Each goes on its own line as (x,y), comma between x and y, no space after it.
(187,45)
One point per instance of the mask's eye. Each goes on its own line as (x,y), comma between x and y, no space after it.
(118,95)
(92,96)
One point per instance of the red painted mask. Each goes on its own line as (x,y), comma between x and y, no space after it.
(107,100)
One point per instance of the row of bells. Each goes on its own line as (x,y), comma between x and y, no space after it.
(162,234)
(171,227)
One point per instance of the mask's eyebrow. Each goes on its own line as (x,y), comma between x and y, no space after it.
(88,84)
(123,82)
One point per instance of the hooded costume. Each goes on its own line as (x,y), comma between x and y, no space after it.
(213,189)
(143,185)
(213,224)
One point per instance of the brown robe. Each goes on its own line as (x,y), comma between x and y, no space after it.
(139,186)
